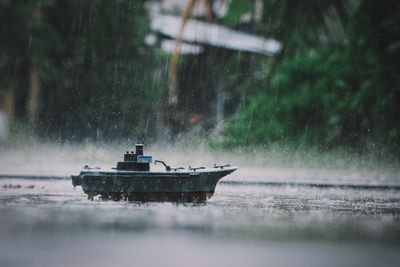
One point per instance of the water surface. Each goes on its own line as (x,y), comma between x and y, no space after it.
(259,216)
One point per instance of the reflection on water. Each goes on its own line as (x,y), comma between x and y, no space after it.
(258,216)
(260,212)
(245,225)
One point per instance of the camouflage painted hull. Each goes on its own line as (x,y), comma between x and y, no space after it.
(175,186)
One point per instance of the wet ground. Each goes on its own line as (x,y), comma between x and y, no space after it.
(259,216)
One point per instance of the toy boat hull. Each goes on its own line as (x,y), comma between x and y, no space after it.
(170,186)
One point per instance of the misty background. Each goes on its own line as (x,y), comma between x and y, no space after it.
(319,75)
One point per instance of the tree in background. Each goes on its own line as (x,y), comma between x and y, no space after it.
(96,79)
(18,80)
(335,81)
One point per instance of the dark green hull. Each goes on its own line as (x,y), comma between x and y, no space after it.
(192,186)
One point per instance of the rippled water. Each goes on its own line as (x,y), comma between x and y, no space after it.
(259,216)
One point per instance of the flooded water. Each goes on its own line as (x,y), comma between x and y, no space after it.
(264,214)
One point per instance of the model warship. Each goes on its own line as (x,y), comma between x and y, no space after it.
(133,180)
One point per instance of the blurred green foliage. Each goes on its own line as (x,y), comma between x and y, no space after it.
(329,94)
(97,79)
(237,8)
(335,83)
(108,87)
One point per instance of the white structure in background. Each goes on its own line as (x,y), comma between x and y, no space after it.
(219,8)
(200,32)
(166,21)
(3,126)
(184,48)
